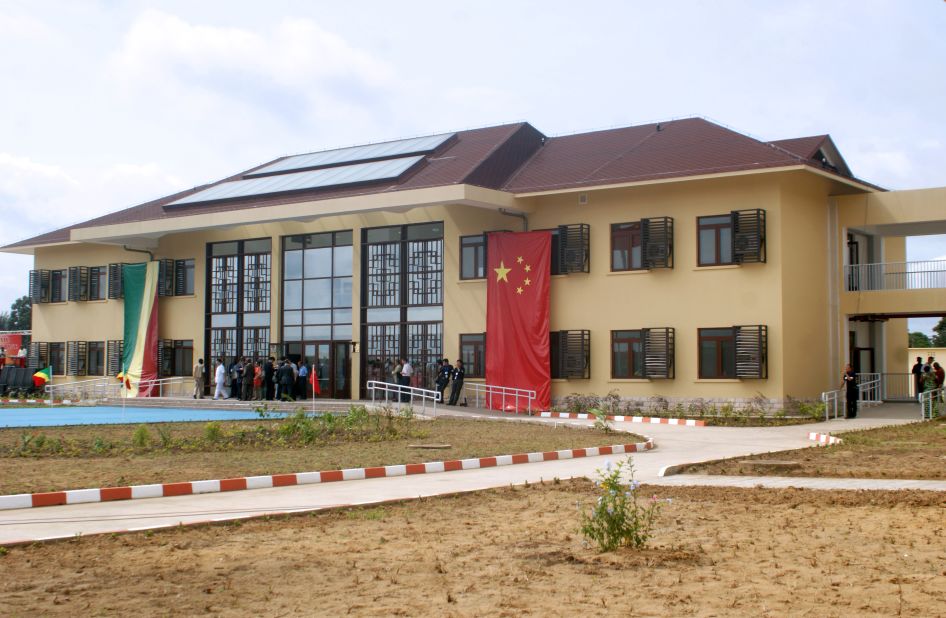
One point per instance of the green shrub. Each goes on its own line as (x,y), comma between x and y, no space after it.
(141,438)
(213,432)
(618,518)
(165,436)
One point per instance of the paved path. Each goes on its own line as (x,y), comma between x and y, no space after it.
(675,445)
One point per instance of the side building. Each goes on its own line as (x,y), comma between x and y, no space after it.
(689,262)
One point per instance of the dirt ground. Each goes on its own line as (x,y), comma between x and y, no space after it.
(38,473)
(915,451)
(512,552)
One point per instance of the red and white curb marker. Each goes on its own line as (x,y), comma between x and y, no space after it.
(161,490)
(627,419)
(824,438)
(47,401)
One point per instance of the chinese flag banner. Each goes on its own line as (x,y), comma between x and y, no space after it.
(517,316)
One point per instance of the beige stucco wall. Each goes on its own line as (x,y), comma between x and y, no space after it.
(790,293)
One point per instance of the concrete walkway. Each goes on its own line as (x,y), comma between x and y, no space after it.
(675,445)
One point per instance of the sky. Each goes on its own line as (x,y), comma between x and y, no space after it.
(108,104)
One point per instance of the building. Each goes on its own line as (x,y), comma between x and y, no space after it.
(689,261)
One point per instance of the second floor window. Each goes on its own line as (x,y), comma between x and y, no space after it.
(626,246)
(715,240)
(59,282)
(473,257)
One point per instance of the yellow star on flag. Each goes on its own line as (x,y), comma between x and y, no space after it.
(528,281)
(501,272)
(519,260)
(528,268)
(518,290)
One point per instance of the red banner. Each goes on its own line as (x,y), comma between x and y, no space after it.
(517,316)
(11,343)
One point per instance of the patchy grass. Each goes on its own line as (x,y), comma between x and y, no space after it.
(52,459)
(511,552)
(914,451)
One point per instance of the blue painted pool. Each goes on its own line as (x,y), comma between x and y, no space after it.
(108,415)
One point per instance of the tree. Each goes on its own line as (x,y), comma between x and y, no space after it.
(20,316)
(939,339)
(920,340)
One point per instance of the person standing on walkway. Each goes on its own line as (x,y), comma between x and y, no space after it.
(301,381)
(443,378)
(917,372)
(458,373)
(850,390)
(220,378)
(249,372)
(199,379)
(406,372)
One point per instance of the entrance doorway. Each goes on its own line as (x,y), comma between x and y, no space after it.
(331,362)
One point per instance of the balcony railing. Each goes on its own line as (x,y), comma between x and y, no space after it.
(922,275)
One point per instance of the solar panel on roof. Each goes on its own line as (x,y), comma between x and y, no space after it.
(385,150)
(314,179)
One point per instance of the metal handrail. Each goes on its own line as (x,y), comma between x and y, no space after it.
(424,394)
(919,275)
(490,391)
(830,400)
(869,388)
(104,388)
(928,399)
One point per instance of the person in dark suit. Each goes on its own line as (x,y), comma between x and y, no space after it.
(850,390)
(458,373)
(443,377)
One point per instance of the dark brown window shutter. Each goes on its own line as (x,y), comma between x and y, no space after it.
(657,241)
(574,248)
(751,351)
(748,236)
(658,344)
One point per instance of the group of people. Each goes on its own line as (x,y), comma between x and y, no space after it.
(927,376)
(402,371)
(255,380)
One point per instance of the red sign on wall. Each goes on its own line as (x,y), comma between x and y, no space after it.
(11,343)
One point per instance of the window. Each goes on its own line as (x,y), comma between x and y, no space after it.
(239,287)
(98,284)
(402,292)
(645,353)
(38,355)
(57,358)
(39,286)
(59,281)
(115,281)
(184,277)
(77,358)
(734,352)
(627,354)
(473,354)
(736,238)
(570,354)
(175,357)
(473,257)
(715,240)
(96,358)
(626,249)
(317,289)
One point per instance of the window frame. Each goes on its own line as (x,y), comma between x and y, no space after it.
(59,290)
(720,357)
(57,348)
(716,228)
(478,352)
(633,374)
(631,230)
(94,348)
(478,244)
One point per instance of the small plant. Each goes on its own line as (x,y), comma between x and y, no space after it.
(601,420)
(141,438)
(165,437)
(619,518)
(100,445)
(262,410)
(39,441)
(659,405)
(213,432)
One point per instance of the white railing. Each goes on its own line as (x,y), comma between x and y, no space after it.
(400,393)
(931,403)
(921,275)
(109,388)
(490,392)
(869,389)
(831,400)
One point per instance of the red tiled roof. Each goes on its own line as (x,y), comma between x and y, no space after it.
(519,159)
(804,147)
(677,148)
